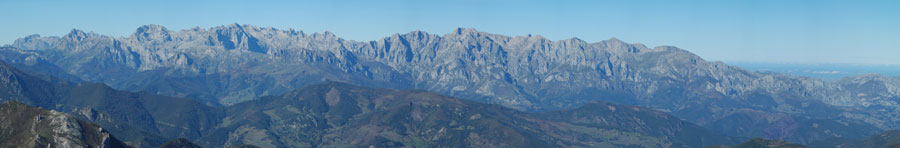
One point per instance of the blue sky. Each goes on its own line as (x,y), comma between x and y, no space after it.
(784,31)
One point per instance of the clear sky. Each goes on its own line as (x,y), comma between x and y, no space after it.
(789,31)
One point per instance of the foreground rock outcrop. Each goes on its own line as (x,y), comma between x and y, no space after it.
(26,126)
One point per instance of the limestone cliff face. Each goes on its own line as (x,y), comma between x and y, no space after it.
(26,126)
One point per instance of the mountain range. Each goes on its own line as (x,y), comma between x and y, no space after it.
(338,114)
(225,66)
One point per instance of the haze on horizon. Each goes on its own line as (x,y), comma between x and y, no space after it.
(748,31)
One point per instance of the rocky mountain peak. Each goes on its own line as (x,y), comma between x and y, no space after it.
(293,32)
(622,46)
(77,35)
(326,35)
(615,40)
(29,38)
(236,36)
(236,26)
(235,29)
(466,32)
(151,28)
(152,32)
(575,39)
(33,36)
(418,34)
(413,36)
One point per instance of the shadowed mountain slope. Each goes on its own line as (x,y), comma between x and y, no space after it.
(123,113)
(342,115)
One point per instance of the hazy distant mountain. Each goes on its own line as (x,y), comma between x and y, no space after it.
(235,63)
(26,126)
(821,70)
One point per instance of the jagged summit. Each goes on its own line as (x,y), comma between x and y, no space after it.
(76,34)
(326,35)
(614,40)
(462,31)
(236,26)
(32,36)
(152,32)
(151,27)
(416,33)
(575,39)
